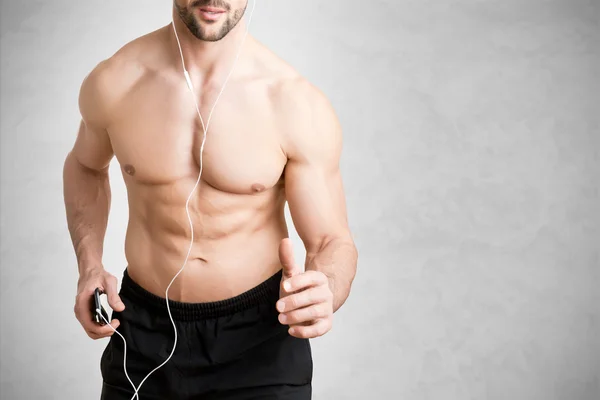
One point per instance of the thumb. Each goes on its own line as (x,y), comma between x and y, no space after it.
(114,300)
(286,257)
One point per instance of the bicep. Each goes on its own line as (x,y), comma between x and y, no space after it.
(92,147)
(314,186)
(316,200)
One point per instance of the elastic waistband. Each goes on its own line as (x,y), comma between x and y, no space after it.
(265,293)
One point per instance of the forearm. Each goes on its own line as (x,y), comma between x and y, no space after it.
(87,202)
(337,259)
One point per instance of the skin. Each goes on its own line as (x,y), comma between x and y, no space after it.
(273,137)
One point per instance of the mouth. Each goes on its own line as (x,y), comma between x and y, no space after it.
(210,13)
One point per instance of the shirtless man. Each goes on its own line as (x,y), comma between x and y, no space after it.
(242,332)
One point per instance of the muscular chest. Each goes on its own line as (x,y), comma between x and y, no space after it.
(159,140)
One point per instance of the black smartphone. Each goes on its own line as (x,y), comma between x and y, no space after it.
(98,306)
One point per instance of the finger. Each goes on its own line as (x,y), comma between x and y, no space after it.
(303,281)
(306,314)
(319,328)
(110,283)
(97,331)
(84,314)
(304,298)
(286,257)
(83,307)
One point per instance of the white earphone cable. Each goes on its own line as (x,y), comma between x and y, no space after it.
(205,130)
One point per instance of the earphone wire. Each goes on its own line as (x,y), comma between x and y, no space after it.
(205,134)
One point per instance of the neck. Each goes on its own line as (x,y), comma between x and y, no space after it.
(206,61)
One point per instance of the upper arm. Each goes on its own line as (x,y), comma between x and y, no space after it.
(92,147)
(313,182)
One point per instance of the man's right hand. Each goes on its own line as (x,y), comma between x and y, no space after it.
(88,282)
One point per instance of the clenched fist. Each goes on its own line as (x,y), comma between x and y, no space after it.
(88,282)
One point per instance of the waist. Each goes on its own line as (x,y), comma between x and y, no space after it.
(215,268)
(161,249)
(265,293)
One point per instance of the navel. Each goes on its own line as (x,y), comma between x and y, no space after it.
(129,169)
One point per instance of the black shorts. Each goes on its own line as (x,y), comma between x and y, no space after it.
(235,349)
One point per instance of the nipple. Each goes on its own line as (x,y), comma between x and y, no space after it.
(129,169)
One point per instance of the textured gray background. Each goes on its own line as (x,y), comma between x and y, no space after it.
(471,164)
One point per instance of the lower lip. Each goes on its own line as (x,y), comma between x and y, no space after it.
(210,16)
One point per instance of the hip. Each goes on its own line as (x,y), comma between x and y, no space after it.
(232,344)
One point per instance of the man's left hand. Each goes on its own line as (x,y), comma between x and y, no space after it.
(306,299)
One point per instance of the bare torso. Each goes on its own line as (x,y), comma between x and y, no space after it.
(237,210)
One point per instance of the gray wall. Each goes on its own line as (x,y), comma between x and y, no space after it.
(471,165)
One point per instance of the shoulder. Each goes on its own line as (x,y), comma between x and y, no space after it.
(290,92)
(295,95)
(308,121)
(104,88)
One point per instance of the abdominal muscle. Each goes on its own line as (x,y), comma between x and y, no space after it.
(236,240)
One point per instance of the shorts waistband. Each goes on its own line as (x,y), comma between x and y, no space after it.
(266,292)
